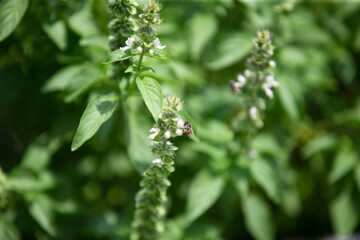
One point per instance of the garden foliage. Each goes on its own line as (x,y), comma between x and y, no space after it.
(273,156)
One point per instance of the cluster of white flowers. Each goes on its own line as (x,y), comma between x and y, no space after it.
(134,43)
(170,124)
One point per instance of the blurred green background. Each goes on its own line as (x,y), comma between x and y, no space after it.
(305,184)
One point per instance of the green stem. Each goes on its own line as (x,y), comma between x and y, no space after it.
(138,72)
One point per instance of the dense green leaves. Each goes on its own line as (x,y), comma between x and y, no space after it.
(152,94)
(200,35)
(232,49)
(204,190)
(11,12)
(259,218)
(96,113)
(8,230)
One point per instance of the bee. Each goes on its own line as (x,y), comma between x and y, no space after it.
(188,128)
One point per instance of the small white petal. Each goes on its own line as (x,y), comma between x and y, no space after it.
(139,49)
(253,111)
(158,162)
(156,44)
(241,80)
(179,132)
(247,73)
(272,64)
(151,52)
(269,93)
(180,123)
(167,134)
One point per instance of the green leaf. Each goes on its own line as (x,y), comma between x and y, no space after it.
(23,180)
(344,212)
(84,23)
(202,29)
(151,92)
(161,55)
(138,127)
(38,154)
(118,55)
(187,73)
(345,161)
(99,41)
(73,80)
(319,144)
(357,176)
(207,129)
(265,175)
(57,32)
(240,176)
(82,81)
(259,219)
(40,208)
(204,190)
(291,201)
(286,97)
(61,78)
(8,231)
(231,50)
(11,12)
(96,113)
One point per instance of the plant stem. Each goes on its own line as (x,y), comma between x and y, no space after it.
(138,72)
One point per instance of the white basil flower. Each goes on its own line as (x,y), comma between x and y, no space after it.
(156,44)
(242,80)
(129,44)
(180,123)
(253,111)
(155,131)
(167,134)
(158,162)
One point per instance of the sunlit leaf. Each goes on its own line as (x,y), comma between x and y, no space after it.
(232,49)
(204,190)
(240,176)
(99,41)
(345,161)
(207,129)
(118,55)
(40,208)
(259,219)
(344,212)
(265,175)
(11,12)
(161,55)
(96,113)
(202,29)
(151,92)
(57,32)
(84,23)
(319,144)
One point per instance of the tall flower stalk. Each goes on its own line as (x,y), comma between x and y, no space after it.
(150,210)
(255,85)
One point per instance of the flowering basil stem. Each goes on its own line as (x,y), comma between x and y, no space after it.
(150,201)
